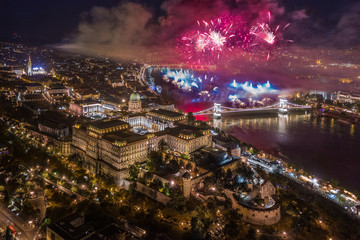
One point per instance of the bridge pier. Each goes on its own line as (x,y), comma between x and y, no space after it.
(283,106)
(217,111)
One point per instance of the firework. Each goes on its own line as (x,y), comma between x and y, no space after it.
(267,36)
(211,39)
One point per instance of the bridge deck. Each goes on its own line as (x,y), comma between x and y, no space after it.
(265,109)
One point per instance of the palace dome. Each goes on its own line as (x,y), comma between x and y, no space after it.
(135,96)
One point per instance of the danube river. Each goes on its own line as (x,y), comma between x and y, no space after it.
(323,147)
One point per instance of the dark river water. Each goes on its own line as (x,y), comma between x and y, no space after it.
(324,147)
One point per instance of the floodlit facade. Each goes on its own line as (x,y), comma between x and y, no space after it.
(109,147)
(135,102)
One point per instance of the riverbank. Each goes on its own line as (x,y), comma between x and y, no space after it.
(344,199)
(322,146)
(346,117)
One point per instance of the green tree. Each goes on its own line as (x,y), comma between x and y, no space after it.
(178,201)
(200,222)
(150,165)
(134,171)
(156,158)
(163,146)
(190,118)
(148,176)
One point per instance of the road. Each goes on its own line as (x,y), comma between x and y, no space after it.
(9,218)
(61,188)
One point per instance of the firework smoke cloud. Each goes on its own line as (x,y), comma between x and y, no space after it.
(195,31)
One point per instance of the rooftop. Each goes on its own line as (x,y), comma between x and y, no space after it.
(52,124)
(107,123)
(135,96)
(167,113)
(185,130)
(66,230)
(122,136)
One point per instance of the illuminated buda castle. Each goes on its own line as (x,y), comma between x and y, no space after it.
(110,147)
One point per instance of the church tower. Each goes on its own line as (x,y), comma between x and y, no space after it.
(29,67)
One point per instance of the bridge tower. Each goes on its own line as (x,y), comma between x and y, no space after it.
(283,106)
(217,111)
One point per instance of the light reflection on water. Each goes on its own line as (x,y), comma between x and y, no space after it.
(325,147)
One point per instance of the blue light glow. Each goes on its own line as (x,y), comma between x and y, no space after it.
(205,86)
(183,79)
(257,90)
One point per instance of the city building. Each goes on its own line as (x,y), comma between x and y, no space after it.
(52,134)
(325,95)
(58,89)
(113,104)
(83,107)
(34,87)
(259,206)
(167,106)
(186,139)
(134,102)
(346,97)
(163,115)
(85,93)
(109,147)
(76,227)
(38,71)
(53,128)
(140,121)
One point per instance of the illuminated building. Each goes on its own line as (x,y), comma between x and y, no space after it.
(110,148)
(86,93)
(34,87)
(186,139)
(53,134)
(135,102)
(29,67)
(163,115)
(346,97)
(86,106)
(53,128)
(315,92)
(113,104)
(140,121)
(38,71)
(58,90)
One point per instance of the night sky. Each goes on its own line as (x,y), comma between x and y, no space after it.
(53,21)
